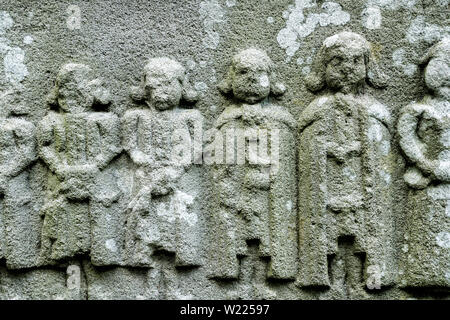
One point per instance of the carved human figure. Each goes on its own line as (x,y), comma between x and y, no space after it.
(424,130)
(255,180)
(19,219)
(345,168)
(77,140)
(164,212)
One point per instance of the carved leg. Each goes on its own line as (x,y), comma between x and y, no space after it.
(346,270)
(49,235)
(23,223)
(427,249)
(154,279)
(225,264)
(142,250)
(141,228)
(187,237)
(107,235)
(313,256)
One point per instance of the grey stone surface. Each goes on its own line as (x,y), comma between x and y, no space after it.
(345,167)
(255,195)
(424,130)
(118,181)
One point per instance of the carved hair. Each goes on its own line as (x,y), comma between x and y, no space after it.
(165,66)
(315,81)
(276,88)
(82,75)
(439,50)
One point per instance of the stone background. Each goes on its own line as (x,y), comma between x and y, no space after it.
(116,38)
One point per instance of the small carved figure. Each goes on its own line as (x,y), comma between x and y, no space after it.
(424,130)
(255,183)
(163,214)
(345,169)
(77,140)
(19,219)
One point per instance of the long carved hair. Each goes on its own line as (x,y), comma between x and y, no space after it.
(95,93)
(276,87)
(138,93)
(315,81)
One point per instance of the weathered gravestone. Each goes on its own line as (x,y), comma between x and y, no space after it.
(207,149)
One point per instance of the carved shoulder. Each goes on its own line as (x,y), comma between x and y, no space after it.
(109,125)
(380,112)
(229,114)
(314,111)
(281,114)
(133,114)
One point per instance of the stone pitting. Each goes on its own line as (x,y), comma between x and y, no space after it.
(176,150)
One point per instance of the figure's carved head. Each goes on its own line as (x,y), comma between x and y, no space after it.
(437,70)
(164,84)
(345,63)
(251,77)
(76,89)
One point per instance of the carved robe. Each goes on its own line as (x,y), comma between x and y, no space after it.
(424,130)
(255,201)
(164,212)
(19,216)
(344,167)
(76,148)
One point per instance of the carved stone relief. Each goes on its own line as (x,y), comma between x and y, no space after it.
(18,216)
(424,130)
(162,216)
(163,213)
(77,140)
(255,178)
(344,166)
(240,161)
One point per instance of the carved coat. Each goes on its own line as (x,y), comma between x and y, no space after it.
(424,131)
(256,201)
(75,147)
(344,169)
(19,218)
(164,213)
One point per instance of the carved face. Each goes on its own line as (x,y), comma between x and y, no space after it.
(346,69)
(74,91)
(437,77)
(73,98)
(250,81)
(163,89)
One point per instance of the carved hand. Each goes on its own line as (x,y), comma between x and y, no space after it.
(415,178)
(82,171)
(77,180)
(140,158)
(342,152)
